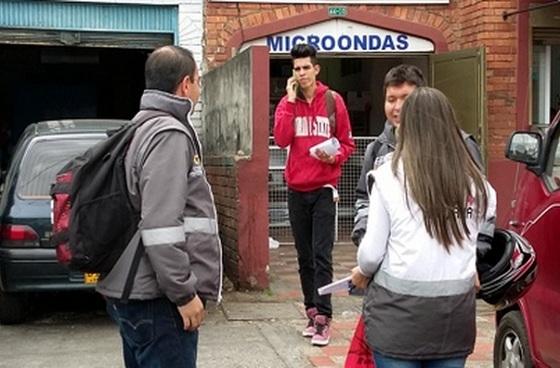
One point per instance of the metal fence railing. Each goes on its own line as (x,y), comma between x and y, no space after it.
(279,223)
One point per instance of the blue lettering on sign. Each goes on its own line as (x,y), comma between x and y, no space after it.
(313,40)
(402,41)
(328,43)
(360,43)
(273,43)
(363,42)
(344,43)
(297,39)
(388,43)
(374,42)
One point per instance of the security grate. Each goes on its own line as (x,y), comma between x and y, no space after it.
(279,222)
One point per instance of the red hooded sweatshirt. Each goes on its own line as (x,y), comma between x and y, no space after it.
(301,125)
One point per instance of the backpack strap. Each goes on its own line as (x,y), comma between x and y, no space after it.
(473,148)
(370,179)
(146,115)
(331,109)
(129,283)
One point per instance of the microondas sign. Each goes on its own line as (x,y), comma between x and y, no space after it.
(340,35)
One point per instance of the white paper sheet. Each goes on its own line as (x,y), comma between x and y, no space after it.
(330,146)
(340,285)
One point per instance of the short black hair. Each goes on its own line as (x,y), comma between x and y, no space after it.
(404,73)
(303,50)
(167,66)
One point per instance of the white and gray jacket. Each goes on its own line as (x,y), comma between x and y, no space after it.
(178,225)
(375,155)
(421,302)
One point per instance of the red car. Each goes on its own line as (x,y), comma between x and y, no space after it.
(528,333)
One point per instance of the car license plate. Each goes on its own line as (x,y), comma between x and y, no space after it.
(91,278)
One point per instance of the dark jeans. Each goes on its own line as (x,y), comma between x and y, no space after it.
(382,361)
(152,334)
(312,217)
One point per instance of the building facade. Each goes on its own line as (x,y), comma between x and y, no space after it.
(85,58)
(500,72)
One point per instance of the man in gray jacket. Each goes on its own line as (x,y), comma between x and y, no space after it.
(399,82)
(181,263)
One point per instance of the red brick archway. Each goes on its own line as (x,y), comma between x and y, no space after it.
(321,15)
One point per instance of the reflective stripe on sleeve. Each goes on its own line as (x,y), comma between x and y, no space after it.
(202,225)
(163,235)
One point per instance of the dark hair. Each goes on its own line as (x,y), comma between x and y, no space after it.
(404,73)
(167,66)
(303,50)
(439,173)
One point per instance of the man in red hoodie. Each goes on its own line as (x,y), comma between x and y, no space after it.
(301,122)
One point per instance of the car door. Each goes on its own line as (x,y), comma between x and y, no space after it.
(539,220)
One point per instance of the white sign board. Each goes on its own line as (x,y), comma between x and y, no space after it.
(342,36)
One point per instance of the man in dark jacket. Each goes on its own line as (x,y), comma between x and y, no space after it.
(399,82)
(181,266)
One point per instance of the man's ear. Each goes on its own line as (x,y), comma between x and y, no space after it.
(317,68)
(183,87)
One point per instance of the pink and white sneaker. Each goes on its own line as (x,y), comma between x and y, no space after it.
(309,330)
(322,334)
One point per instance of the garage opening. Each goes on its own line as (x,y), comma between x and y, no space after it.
(48,82)
(359,80)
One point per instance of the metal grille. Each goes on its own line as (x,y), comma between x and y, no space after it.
(279,223)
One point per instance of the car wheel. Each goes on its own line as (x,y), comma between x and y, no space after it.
(511,346)
(13,308)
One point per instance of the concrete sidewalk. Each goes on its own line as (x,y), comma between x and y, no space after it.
(251,329)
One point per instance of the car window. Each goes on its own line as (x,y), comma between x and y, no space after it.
(43,159)
(553,164)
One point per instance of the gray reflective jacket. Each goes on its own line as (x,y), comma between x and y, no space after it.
(374,156)
(178,226)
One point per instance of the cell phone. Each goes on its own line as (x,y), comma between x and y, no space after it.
(294,75)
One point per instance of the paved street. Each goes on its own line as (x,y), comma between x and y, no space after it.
(248,330)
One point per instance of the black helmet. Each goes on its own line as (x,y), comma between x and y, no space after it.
(507,270)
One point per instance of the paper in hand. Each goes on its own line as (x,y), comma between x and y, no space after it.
(341,285)
(330,147)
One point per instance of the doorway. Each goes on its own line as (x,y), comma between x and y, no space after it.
(359,80)
(49,83)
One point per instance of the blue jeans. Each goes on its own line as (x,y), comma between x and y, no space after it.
(152,334)
(382,361)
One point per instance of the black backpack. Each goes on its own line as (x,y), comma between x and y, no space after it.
(331,109)
(93,217)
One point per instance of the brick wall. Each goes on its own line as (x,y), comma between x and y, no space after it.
(481,24)
(223,179)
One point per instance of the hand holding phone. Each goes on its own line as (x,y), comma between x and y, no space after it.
(291,87)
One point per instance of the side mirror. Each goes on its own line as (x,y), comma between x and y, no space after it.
(525,147)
